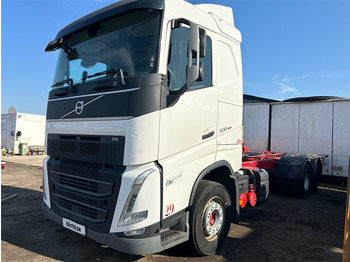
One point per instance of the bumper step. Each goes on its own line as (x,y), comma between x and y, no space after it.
(171,236)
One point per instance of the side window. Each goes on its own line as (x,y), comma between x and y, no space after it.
(178,58)
(178,61)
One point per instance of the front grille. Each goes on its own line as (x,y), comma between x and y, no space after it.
(84,178)
(93,149)
(87,186)
(76,182)
(82,210)
(67,147)
(88,148)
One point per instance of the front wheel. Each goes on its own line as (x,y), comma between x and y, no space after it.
(210,217)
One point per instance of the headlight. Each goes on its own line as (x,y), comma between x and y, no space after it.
(127,217)
(46,196)
(135,217)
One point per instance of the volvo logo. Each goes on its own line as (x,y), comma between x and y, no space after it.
(79,107)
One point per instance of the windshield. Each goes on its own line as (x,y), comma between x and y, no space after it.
(128,42)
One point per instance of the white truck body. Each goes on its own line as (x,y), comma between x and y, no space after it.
(144,130)
(31,127)
(167,150)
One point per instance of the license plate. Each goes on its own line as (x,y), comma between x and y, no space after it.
(74,226)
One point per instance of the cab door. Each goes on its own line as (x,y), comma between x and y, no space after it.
(188,125)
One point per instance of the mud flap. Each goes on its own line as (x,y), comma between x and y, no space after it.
(294,175)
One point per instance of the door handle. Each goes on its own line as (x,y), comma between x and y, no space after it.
(206,136)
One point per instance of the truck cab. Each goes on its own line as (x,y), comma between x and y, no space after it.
(144,126)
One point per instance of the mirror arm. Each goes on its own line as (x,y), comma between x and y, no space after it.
(54,45)
(174,96)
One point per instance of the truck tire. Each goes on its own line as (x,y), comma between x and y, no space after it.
(302,187)
(283,186)
(210,217)
(316,176)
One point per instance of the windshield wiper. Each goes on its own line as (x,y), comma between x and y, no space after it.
(117,71)
(66,81)
(66,89)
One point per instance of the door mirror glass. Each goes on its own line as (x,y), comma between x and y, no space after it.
(192,70)
(203,42)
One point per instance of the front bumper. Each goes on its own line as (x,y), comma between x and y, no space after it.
(136,246)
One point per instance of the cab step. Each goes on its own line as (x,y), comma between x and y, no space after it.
(171,236)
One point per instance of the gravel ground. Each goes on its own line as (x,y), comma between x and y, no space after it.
(25,160)
(283,229)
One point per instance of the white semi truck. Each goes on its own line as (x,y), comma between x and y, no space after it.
(144,128)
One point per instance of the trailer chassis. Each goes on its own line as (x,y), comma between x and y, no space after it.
(292,174)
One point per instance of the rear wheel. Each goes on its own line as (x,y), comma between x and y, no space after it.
(316,176)
(210,217)
(283,186)
(302,187)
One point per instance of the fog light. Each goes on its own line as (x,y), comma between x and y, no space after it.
(135,232)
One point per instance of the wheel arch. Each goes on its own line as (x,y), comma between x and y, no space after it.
(292,175)
(319,165)
(222,173)
(290,167)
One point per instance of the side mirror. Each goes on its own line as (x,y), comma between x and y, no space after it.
(203,42)
(194,69)
(196,49)
(19,133)
(193,55)
(54,45)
